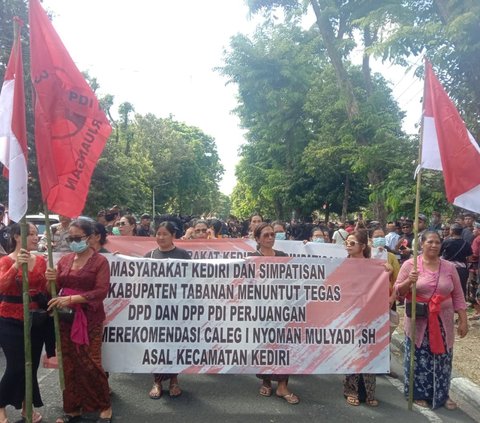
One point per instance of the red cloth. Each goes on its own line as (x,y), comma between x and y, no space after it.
(92,282)
(71,129)
(434,332)
(9,286)
(79,332)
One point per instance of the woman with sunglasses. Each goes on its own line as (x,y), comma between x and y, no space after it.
(357,247)
(439,289)
(265,237)
(12,385)
(165,235)
(127,225)
(83,281)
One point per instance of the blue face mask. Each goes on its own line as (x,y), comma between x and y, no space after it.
(378,242)
(281,236)
(79,247)
(319,239)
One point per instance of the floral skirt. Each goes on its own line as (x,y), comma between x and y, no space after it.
(432,372)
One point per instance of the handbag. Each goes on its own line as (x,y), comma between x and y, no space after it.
(421,308)
(66,314)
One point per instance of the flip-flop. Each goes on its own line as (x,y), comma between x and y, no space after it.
(68,418)
(450,404)
(422,403)
(291,398)
(174,390)
(156,392)
(353,401)
(265,391)
(372,402)
(36,417)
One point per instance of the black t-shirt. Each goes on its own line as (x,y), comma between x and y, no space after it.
(176,253)
(456,249)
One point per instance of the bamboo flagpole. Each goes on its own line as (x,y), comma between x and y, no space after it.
(53,293)
(416,241)
(27,340)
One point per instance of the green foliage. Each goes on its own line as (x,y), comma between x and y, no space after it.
(176,163)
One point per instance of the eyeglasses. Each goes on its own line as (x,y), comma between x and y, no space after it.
(352,243)
(71,239)
(201,231)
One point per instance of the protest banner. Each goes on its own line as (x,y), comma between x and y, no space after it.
(226,248)
(259,315)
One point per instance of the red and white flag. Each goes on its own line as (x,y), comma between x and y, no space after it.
(13,134)
(70,127)
(448,145)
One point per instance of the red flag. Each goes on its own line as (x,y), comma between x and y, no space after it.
(449,146)
(70,128)
(13,133)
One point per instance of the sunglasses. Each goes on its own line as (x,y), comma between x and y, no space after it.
(352,243)
(71,239)
(201,231)
(121,223)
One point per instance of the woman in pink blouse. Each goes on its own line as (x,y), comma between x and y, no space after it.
(83,280)
(438,285)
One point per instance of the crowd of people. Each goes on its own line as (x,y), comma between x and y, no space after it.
(446,278)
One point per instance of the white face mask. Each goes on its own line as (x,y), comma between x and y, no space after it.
(281,236)
(318,239)
(79,247)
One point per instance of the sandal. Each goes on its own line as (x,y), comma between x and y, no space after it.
(353,401)
(265,391)
(174,390)
(372,402)
(422,403)
(36,417)
(156,392)
(450,404)
(68,418)
(291,398)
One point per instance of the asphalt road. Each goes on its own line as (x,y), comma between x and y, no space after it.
(234,398)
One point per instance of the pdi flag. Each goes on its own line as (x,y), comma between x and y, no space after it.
(13,133)
(448,145)
(70,127)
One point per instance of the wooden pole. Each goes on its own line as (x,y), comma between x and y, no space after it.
(53,293)
(27,340)
(416,241)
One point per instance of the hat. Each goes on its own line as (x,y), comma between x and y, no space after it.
(145,216)
(407,222)
(422,217)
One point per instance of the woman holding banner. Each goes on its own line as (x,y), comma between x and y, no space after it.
(12,385)
(439,296)
(265,237)
(165,235)
(355,385)
(83,278)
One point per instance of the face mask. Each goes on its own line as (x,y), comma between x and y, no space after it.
(281,236)
(79,247)
(115,231)
(319,239)
(378,242)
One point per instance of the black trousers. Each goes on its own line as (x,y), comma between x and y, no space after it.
(12,385)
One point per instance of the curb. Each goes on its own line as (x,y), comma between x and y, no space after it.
(463,390)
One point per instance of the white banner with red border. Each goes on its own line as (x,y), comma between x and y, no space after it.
(287,315)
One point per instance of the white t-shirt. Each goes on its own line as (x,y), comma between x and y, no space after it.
(340,236)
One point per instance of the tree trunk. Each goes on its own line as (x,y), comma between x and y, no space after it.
(336,59)
(346,197)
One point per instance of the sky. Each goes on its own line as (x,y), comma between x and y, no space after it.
(160,55)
